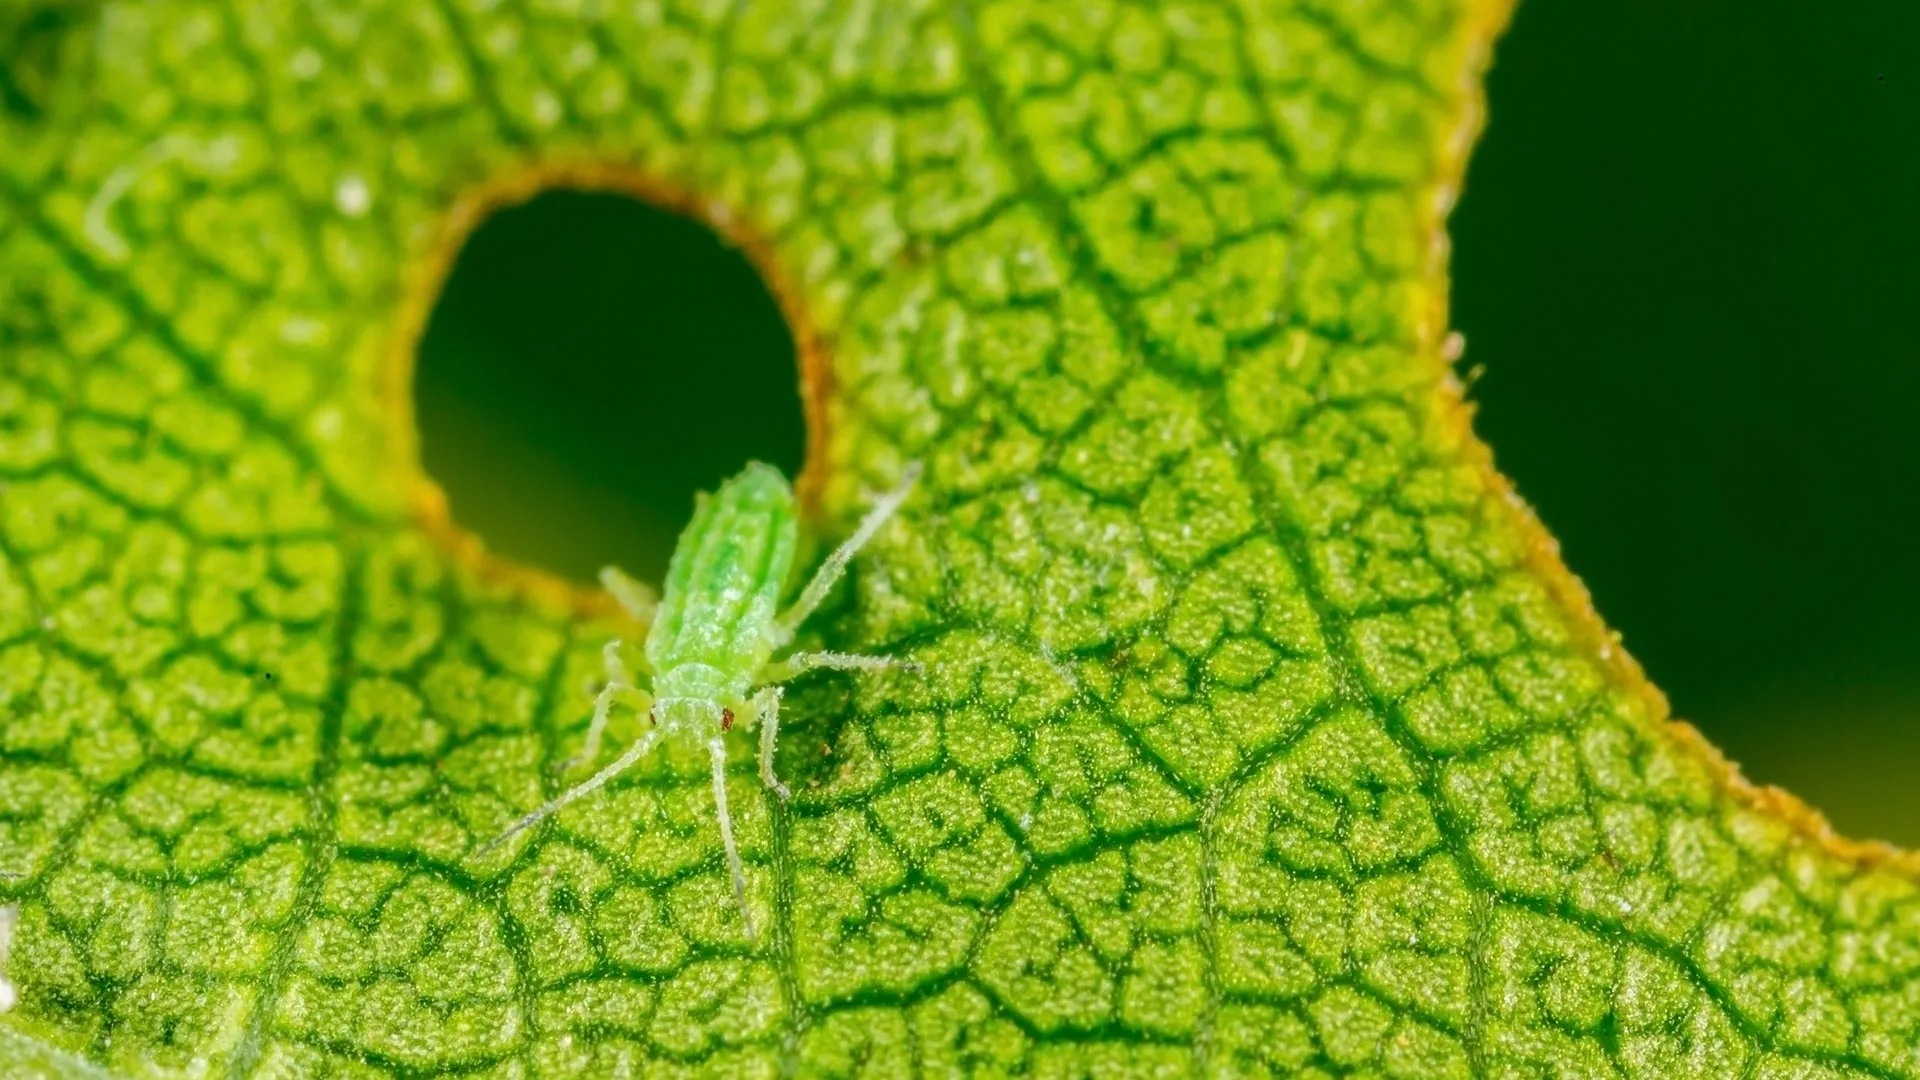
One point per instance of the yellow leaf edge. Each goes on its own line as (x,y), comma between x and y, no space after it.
(429,511)
(1542,551)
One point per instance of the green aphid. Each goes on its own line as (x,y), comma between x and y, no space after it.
(709,658)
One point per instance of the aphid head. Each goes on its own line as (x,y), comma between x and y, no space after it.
(700,716)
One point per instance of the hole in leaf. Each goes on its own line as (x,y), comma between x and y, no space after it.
(1691,292)
(593,361)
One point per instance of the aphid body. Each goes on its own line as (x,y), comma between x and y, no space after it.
(709,660)
(716,625)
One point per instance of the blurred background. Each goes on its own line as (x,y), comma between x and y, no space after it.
(1687,265)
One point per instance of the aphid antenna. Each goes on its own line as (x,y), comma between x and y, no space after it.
(836,564)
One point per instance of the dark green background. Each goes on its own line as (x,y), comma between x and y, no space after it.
(1689,260)
(1686,265)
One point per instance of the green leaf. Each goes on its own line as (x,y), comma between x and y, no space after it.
(1263,733)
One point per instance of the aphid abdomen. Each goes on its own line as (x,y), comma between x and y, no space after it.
(723,586)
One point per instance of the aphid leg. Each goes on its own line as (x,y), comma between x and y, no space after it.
(619,687)
(782,670)
(766,706)
(586,787)
(637,597)
(829,573)
(717,750)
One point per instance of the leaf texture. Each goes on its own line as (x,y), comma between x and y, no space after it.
(1262,733)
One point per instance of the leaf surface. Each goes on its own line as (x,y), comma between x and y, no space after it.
(1262,732)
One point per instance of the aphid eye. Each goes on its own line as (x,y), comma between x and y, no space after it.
(726,719)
